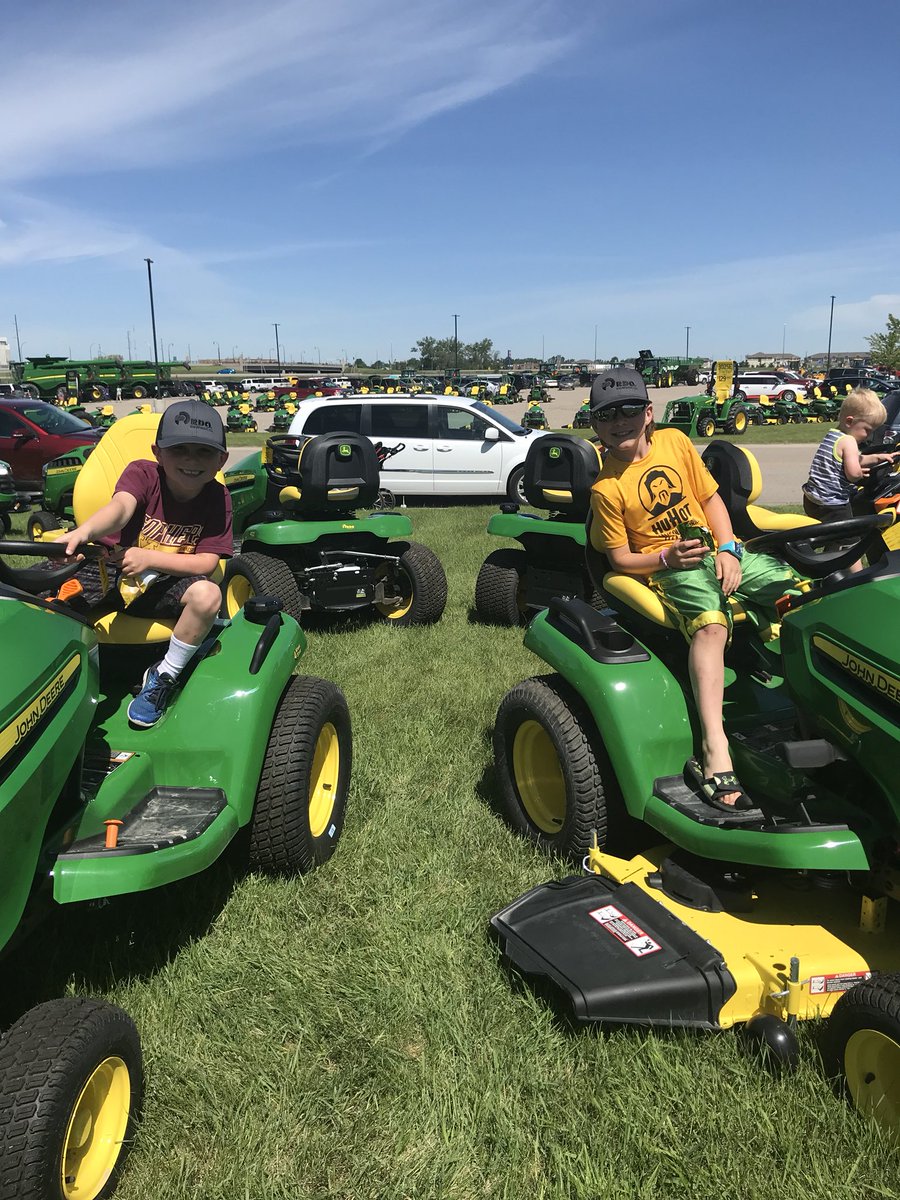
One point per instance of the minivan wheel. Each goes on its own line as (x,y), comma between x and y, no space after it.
(515,486)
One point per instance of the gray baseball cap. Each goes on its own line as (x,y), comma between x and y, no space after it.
(190,421)
(619,385)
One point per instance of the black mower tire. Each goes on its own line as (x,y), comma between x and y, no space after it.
(426,586)
(5,524)
(498,588)
(563,815)
(861,1047)
(515,489)
(46,1060)
(301,800)
(40,522)
(260,575)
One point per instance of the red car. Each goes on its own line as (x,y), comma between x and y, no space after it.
(32,432)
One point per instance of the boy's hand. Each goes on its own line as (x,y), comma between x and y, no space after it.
(75,539)
(687,553)
(728,571)
(135,560)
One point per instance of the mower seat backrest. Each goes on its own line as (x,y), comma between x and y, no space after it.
(737,473)
(328,473)
(559,472)
(128,440)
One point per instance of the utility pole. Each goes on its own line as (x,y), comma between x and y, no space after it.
(687,343)
(455,344)
(18,343)
(277,346)
(830,323)
(149,262)
(595,343)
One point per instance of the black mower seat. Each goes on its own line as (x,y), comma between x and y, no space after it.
(737,473)
(559,472)
(331,472)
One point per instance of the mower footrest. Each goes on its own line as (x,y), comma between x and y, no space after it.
(676,793)
(615,953)
(167,816)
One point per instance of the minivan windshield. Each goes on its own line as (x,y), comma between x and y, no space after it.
(501,419)
(54,420)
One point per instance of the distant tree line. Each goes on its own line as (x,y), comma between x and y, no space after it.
(442,354)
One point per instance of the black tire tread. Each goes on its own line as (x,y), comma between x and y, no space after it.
(497,586)
(39,1055)
(549,700)
(281,841)
(872,1004)
(429,584)
(269,576)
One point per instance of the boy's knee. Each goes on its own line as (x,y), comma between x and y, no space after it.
(711,633)
(204,598)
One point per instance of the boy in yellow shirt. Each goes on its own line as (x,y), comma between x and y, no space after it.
(652,483)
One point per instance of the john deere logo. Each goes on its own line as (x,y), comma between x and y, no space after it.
(344,450)
(554,452)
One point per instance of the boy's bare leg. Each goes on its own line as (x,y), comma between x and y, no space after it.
(706,664)
(200,606)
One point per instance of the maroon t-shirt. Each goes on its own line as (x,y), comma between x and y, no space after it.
(160,522)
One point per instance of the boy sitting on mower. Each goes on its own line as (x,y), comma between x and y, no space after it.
(174,522)
(658,516)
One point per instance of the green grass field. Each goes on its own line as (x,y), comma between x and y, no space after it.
(352,1034)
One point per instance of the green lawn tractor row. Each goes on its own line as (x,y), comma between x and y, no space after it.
(92,809)
(686,916)
(301,536)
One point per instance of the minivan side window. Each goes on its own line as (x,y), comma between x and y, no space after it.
(399,420)
(9,424)
(334,418)
(461,424)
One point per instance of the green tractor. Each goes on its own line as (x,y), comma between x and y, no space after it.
(723,409)
(514,584)
(295,507)
(55,508)
(582,418)
(93,809)
(753,919)
(534,416)
(239,419)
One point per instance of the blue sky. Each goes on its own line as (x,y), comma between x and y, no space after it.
(359,171)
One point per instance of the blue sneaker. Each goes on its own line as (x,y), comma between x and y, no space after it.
(150,702)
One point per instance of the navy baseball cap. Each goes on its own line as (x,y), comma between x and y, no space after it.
(190,421)
(619,385)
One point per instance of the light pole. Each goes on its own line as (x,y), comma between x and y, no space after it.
(169,352)
(18,343)
(149,262)
(277,346)
(783,338)
(318,354)
(687,342)
(830,324)
(455,344)
(90,350)
(595,343)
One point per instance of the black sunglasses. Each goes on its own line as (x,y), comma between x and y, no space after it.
(619,410)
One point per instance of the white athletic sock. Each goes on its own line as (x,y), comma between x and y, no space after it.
(178,655)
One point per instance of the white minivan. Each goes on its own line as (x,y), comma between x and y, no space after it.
(448,445)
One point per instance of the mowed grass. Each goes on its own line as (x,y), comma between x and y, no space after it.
(353,1034)
(756,435)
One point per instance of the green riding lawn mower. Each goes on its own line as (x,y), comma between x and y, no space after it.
(239,418)
(534,417)
(687,916)
(295,507)
(9,498)
(93,809)
(513,584)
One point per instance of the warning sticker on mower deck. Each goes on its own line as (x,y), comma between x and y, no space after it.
(824,985)
(630,935)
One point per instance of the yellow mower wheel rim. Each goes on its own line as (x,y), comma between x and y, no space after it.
(872,1068)
(740,422)
(323,779)
(96,1131)
(238,591)
(394,612)
(538,777)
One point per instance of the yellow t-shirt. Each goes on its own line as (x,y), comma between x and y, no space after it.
(640,504)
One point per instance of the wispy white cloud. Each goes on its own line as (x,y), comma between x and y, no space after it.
(125,85)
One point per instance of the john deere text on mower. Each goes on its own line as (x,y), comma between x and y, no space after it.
(514,584)
(758,917)
(92,808)
(295,510)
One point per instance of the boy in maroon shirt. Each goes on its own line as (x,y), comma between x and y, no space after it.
(174,524)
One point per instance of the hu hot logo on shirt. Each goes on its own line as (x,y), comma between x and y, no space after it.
(660,489)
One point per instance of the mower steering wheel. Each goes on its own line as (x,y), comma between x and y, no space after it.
(798,545)
(35,580)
